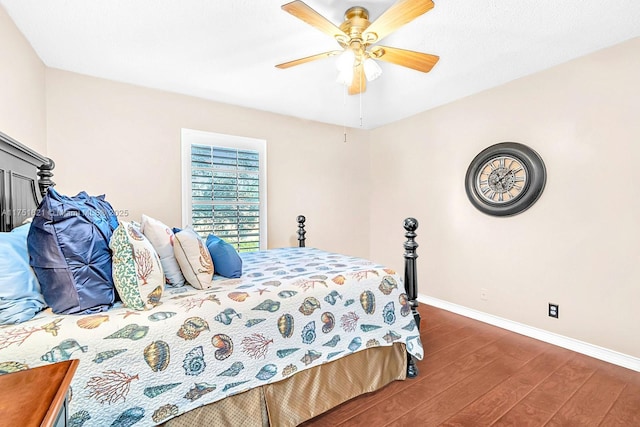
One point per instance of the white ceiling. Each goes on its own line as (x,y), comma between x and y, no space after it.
(225,50)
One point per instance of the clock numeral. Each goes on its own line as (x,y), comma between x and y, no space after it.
(517,187)
(519,179)
(501,162)
(500,197)
(511,164)
(517,170)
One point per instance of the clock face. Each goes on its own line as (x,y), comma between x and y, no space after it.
(501,179)
(505,179)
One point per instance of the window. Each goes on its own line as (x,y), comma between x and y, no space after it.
(224,188)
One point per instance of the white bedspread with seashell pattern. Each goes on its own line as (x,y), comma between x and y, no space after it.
(292,309)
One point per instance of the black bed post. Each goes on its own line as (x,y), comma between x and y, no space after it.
(411,282)
(45,174)
(301,231)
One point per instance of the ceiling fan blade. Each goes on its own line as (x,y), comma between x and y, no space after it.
(308,59)
(303,12)
(407,58)
(359,83)
(401,13)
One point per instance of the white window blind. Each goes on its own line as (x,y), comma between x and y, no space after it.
(225,188)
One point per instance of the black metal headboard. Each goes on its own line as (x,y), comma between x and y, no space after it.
(24,178)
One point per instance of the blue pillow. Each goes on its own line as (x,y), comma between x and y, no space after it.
(101,207)
(20,297)
(69,251)
(226,261)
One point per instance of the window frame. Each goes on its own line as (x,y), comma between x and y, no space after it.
(192,136)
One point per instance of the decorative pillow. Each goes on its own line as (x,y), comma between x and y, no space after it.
(20,297)
(69,251)
(194,258)
(137,272)
(161,237)
(226,260)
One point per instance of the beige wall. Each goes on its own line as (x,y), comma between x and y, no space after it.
(22,88)
(123,140)
(578,246)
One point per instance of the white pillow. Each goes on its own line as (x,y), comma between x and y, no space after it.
(194,258)
(161,237)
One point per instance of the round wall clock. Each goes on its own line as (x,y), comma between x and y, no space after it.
(505,179)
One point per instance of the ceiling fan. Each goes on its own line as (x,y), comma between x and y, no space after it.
(357,37)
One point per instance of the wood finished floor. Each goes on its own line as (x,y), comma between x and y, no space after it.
(474,374)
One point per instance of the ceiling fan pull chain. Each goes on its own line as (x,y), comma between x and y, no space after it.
(344,112)
(360,102)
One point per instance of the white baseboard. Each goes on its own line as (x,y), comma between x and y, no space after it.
(601,353)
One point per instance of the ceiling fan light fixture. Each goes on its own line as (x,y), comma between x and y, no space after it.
(346,60)
(371,69)
(345,63)
(345,77)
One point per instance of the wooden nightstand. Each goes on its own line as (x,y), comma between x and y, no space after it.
(38,396)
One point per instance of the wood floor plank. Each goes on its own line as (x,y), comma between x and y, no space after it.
(591,403)
(498,401)
(549,396)
(626,409)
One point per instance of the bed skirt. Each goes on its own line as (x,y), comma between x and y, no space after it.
(305,395)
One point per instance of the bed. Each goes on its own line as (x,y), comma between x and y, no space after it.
(302,331)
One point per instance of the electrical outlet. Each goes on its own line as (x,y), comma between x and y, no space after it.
(483,294)
(554,310)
